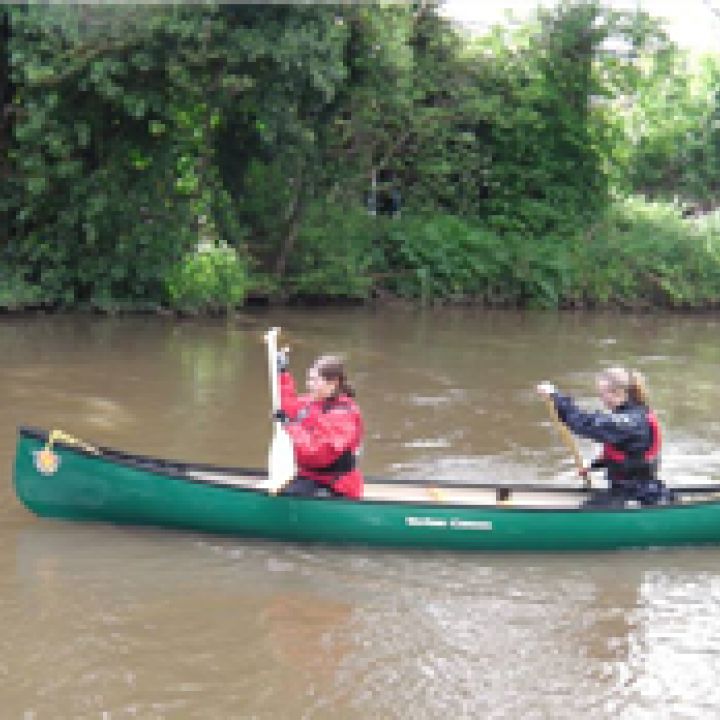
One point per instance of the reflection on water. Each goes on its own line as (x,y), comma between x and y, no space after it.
(151,624)
(147,624)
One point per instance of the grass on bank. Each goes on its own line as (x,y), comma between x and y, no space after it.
(638,255)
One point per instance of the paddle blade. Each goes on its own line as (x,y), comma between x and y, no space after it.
(281,461)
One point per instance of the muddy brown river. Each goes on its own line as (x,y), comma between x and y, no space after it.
(112,623)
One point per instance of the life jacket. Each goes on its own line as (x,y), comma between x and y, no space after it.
(344,464)
(626,465)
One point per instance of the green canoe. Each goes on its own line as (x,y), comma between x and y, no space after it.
(76,481)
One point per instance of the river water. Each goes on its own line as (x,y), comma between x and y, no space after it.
(104,622)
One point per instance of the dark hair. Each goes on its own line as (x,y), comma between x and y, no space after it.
(331,368)
(631,381)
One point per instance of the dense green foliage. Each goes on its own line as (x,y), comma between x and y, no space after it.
(676,131)
(213,278)
(188,155)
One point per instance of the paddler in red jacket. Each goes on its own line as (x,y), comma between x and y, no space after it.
(326,428)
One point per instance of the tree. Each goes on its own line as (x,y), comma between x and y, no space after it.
(6,94)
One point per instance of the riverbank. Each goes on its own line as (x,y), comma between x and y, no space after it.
(384,302)
(641,256)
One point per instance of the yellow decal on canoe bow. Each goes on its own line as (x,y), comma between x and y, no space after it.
(46,461)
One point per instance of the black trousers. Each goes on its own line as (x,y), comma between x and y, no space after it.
(646,491)
(301,486)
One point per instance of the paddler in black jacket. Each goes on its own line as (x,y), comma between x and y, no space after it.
(629,432)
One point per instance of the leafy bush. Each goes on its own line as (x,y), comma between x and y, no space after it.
(640,254)
(335,252)
(646,254)
(212,279)
(16,292)
(447,257)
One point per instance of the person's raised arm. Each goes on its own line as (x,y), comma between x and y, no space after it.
(604,427)
(289,403)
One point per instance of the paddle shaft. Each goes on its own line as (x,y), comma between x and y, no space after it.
(567,438)
(272,368)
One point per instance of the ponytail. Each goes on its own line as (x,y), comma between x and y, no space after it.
(637,388)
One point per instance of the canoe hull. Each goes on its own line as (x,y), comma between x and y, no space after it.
(95,488)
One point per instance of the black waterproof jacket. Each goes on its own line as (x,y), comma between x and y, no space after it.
(625,431)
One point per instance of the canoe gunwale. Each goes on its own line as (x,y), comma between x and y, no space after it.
(190,472)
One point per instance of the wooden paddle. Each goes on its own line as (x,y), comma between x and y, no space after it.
(569,440)
(281,455)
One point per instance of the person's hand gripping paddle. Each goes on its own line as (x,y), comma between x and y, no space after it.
(281,455)
(546,390)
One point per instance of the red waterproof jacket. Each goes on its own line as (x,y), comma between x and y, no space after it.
(326,435)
